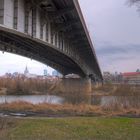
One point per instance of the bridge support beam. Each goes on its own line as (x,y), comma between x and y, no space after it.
(52,32)
(74,85)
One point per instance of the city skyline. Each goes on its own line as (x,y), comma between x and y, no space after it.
(18,63)
(33,66)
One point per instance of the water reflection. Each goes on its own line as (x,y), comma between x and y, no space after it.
(34,99)
(124,101)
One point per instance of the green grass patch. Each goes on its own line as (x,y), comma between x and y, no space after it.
(80,128)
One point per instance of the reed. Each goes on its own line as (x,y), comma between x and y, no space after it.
(118,90)
(70,109)
(22,85)
(126,90)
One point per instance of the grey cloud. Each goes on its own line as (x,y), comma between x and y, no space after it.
(113,49)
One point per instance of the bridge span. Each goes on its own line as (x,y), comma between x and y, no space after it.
(50,31)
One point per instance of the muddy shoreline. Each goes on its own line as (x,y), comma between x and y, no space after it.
(23,114)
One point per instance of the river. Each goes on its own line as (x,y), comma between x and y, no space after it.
(133,101)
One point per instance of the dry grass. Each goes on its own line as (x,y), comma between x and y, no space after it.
(125,90)
(117,90)
(66,109)
(22,85)
(102,89)
(69,109)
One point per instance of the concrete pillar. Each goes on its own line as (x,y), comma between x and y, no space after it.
(15,20)
(54,37)
(21,16)
(38,23)
(76,85)
(34,22)
(1,11)
(67,47)
(41,31)
(9,13)
(44,32)
(30,23)
(52,33)
(49,32)
(57,40)
(26,17)
(62,42)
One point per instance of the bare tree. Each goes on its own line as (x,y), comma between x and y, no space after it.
(135,2)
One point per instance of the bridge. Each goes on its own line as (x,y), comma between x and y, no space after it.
(50,31)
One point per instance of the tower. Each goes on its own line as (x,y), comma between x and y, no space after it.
(26,71)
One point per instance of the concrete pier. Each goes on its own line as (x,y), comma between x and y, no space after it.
(75,85)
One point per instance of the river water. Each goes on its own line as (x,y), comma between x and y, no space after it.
(34,99)
(133,101)
(124,101)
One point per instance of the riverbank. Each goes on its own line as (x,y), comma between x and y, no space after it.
(120,101)
(66,110)
(79,128)
(117,90)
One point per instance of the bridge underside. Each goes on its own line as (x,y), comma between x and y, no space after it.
(40,51)
(50,31)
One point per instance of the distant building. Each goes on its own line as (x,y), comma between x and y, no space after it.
(107,76)
(45,72)
(56,74)
(15,74)
(131,77)
(115,78)
(72,76)
(138,70)
(8,75)
(28,75)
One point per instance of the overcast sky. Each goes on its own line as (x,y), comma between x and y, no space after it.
(115,31)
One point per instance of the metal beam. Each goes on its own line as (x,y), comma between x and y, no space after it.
(66,25)
(76,32)
(76,39)
(58,13)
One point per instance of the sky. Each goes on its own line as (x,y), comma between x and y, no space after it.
(114,29)
(115,32)
(10,63)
